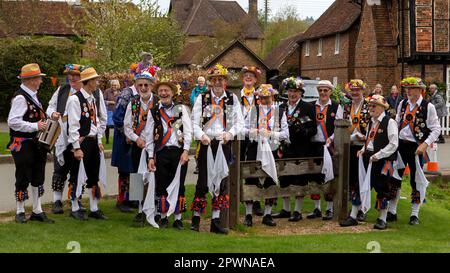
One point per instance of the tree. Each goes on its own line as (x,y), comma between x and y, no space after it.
(285,23)
(119,30)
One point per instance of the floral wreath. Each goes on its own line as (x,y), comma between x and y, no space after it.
(412,82)
(292,83)
(355,84)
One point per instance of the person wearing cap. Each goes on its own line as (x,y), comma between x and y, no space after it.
(217,119)
(266,122)
(57,110)
(302,126)
(25,120)
(122,146)
(85,137)
(418,127)
(135,122)
(379,151)
(169,135)
(358,113)
(326,112)
(251,76)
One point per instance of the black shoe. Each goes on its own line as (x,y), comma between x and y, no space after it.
(268,220)
(315,214)
(349,222)
(361,216)
(391,217)
(20,218)
(124,208)
(216,228)
(164,223)
(296,216)
(282,214)
(139,217)
(57,207)
(328,215)
(83,209)
(178,224)
(380,224)
(78,215)
(97,215)
(257,210)
(41,217)
(157,218)
(248,220)
(195,223)
(132,204)
(413,220)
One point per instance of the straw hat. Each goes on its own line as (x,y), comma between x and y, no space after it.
(252,69)
(30,71)
(379,100)
(266,90)
(217,71)
(325,83)
(88,74)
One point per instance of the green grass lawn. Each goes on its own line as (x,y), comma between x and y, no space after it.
(118,234)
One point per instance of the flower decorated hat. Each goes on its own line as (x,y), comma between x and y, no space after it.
(412,82)
(266,90)
(293,83)
(379,100)
(73,69)
(217,71)
(355,84)
(252,69)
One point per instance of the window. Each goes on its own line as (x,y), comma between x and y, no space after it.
(319,50)
(335,81)
(337,44)
(307,48)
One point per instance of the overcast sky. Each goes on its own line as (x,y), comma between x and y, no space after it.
(305,8)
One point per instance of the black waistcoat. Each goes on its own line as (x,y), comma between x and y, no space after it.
(329,119)
(33,114)
(421,131)
(381,138)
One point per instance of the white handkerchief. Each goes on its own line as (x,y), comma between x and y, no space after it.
(421,180)
(81,180)
(265,156)
(149,207)
(172,191)
(142,169)
(102,170)
(327,168)
(217,169)
(364,185)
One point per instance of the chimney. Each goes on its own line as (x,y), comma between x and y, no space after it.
(253,8)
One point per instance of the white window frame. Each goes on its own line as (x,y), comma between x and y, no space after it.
(320,47)
(307,48)
(337,44)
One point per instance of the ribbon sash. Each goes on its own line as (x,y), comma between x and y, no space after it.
(214,116)
(266,119)
(355,118)
(173,190)
(320,117)
(409,122)
(168,120)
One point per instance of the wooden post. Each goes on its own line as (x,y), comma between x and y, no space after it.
(342,146)
(229,218)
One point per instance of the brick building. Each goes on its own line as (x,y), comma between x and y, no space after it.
(379,43)
(283,59)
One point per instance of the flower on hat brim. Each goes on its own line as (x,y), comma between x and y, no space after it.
(355,84)
(292,83)
(412,82)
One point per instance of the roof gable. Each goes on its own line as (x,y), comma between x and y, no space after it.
(285,48)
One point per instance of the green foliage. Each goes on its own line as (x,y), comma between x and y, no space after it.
(338,95)
(50,53)
(120,30)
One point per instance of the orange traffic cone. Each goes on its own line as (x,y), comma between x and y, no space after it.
(407,171)
(433,165)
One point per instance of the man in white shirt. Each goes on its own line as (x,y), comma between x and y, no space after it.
(169,134)
(135,124)
(217,119)
(380,150)
(418,127)
(63,157)
(85,136)
(25,120)
(326,112)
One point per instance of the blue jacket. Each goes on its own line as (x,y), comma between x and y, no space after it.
(195,92)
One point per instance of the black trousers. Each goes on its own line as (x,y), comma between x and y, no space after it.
(91,161)
(353,182)
(201,188)
(135,157)
(167,161)
(30,167)
(60,173)
(378,181)
(407,151)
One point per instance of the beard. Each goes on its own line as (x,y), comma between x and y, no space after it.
(217,89)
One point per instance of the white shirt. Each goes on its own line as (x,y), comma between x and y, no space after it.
(235,124)
(128,121)
(277,133)
(432,123)
(173,140)
(18,108)
(319,137)
(392,135)
(52,105)
(74,113)
(291,108)
(353,139)
(250,99)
